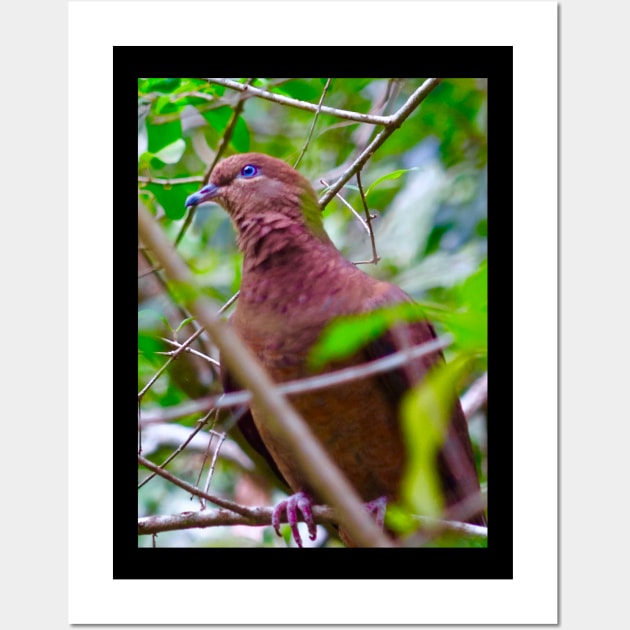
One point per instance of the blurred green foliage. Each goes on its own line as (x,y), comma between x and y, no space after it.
(427,187)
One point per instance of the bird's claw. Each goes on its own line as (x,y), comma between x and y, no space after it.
(377,508)
(299,502)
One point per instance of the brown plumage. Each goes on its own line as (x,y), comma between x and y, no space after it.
(294,283)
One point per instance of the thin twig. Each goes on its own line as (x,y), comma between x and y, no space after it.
(161,281)
(180,349)
(474,503)
(310,384)
(368,218)
(366,225)
(357,216)
(148,272)
(310,133)
(228,303)
(194,179)
(171,435)
(431,527)
(200,425)
(395,121)
(224,503)
(223,144)
(201,355)
(475,396)
(198,332)
(215,455)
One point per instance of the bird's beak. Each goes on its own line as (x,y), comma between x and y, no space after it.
(205,194)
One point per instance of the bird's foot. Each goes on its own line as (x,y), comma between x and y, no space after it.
(377,508)
(299,502)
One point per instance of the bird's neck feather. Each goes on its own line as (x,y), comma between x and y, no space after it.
(267,235)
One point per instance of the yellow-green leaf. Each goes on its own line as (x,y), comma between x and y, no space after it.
(425,413)
(392,175)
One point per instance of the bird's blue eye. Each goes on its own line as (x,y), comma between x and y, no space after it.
(249,170)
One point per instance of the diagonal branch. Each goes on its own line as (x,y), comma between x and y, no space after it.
(231,513)
(283,420)
(393,123)
(225,141)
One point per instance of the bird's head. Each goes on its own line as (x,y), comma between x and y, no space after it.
(262,193)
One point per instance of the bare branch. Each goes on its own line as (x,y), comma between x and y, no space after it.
(475,396)
(225,141)
(181,349)
(312,383)
(348,205)
(309,107)
(194,179)
(473,504)
(321,513)
(228,303)
(171,435)
(215,455)
(215,518)
(172,353)
(393,123)
(310,132)
(236,514)
(224,503)
(368,218)
(200,425)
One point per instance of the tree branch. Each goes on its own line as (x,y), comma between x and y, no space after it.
(475,396)
(236,514)
(215,518)
(309,107)
(194,179)
(310,131)
(393,122)
(312,383)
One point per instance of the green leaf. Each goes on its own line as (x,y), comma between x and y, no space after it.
(425,414)
(301,90)
(160,132)
(240,136)
(184,293)
(400,519)
(346,335)
(173,198)
(467,321)
(184,323)
(163,86)
(193,85)
(149,326)
(218,118)
(469,324)
(149,345)
(392,175)
(171,153)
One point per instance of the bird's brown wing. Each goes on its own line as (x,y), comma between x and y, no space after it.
(455,461)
